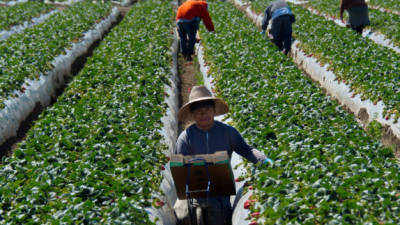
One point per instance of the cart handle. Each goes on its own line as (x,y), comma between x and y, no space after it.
(197,159)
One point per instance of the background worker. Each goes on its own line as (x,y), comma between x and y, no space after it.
(206,136)
(358,14)
(281,28)
(188,19)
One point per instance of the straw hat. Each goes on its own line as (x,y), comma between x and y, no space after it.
(197,94)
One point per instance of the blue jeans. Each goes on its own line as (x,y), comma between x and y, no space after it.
(187,33)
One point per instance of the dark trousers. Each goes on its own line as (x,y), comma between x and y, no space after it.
(187,33)
(281,31)
(358,18)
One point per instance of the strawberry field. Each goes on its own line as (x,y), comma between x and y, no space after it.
(371,70)
(97,155)
(19,13)
(327,168)
(390,5)
(384,22)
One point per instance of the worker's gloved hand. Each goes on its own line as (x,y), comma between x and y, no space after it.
(267,161)
(262,32)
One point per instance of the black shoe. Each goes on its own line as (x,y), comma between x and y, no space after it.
(189,58)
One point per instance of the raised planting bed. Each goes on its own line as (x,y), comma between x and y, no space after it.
(386,4)
(327,169)
(28,55)
(20,13)
(368,68)
(95,155)
(383,22)
(38,60)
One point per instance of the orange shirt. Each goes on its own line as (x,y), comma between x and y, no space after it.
(190,9)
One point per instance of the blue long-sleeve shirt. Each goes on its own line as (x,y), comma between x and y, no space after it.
(220,137)
(274,10)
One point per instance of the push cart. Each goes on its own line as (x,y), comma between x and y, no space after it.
(188,191)
(201,177)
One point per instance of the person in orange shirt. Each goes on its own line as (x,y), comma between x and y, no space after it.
(188,19)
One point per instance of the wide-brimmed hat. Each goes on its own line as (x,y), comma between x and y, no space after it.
(197,94)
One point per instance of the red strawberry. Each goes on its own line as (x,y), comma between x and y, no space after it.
(255,214)
(247,204)
(253,223)
(159,203)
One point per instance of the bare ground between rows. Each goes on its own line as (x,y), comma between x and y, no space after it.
(7,148)
(187,76)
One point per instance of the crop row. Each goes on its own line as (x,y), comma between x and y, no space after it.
(91,157)
(28,55)
(326,168)
(386,23)
(19,13)
(387,4)
(368,68)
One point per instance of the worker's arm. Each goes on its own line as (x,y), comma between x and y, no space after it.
(181,144)
(266,18)
(240,146)
(205,16)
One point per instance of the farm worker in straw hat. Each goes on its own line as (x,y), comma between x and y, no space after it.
(188,19)
(281,28)
(206,136)
(358,14)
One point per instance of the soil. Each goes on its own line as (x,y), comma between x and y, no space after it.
(187,72)
(187,76)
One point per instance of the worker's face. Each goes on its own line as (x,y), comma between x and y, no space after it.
(204,117)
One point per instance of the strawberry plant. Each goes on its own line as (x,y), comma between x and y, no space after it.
(383,22)
(326,168)
(387,4)
(94,156)
(19,13)
(368,68)
(29,54)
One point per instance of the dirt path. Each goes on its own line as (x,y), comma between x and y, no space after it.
(187,76)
